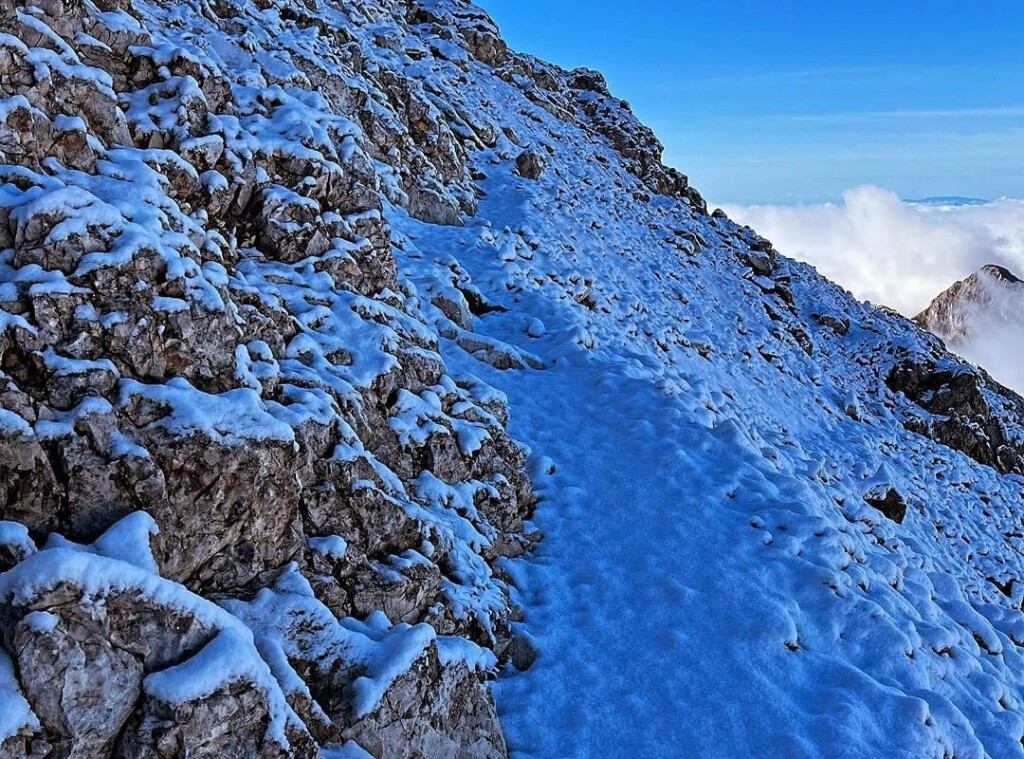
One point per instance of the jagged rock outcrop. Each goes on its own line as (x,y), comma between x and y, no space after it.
(970,412)
(201,319)
(530,164)
(966,410)
(993,294)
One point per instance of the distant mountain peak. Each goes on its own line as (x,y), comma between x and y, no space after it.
(985,294)
(947,200)
(1001,273)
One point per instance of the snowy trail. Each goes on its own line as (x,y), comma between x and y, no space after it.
(632,578)
(711,582)
(600,591)
(666,623)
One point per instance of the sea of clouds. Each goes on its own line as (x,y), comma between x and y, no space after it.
(902,254)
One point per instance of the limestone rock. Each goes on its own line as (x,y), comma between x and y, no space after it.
(426,707)
(530,164)
(116,661)
(967,411)
(991,295)
(889,502)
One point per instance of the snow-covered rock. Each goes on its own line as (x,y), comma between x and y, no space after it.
(201,318)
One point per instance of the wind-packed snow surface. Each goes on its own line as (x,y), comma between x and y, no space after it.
(356,239)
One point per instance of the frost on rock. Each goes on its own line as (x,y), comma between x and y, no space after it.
(211,370)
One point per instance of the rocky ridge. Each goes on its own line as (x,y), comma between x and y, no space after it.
(203,325)
(220,394)
(985,294)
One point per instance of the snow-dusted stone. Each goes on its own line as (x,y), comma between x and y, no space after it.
(81,686)
(82,658)
(480,33)
(839,326)
(115,660)
(212,705)
(427,204)
(228,505)
(30,491)
(25,132)
(15,544)
(290,226)
(396,690)
(436,710)
(889,502)
(966,410)
(19,726)
(530,164)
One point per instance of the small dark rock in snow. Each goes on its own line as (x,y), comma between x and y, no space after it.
(530,164)
(892,505)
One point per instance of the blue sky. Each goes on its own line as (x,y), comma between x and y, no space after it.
(796,101)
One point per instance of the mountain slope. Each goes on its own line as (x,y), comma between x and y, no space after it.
(756,517)
(286,276)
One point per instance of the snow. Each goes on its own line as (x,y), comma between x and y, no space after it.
(217,665)
(63,422)
(16,713)
(63,366)
(15,535)
(396,651)
(332,545)
(350,750)
(232,418)
(41,621)
(662,628)
(711,582)
(11,422)
(452,649)
(128,540)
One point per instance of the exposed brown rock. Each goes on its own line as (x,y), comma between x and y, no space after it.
(530,164)
(891,504)
(202,319)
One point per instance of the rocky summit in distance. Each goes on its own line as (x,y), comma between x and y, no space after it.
(991,295)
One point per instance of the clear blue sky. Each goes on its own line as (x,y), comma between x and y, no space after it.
(796,101)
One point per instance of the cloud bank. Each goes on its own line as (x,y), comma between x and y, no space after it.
(902,255)
(997,336)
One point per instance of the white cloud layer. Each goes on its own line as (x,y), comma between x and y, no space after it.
(904,254)
(997,336)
